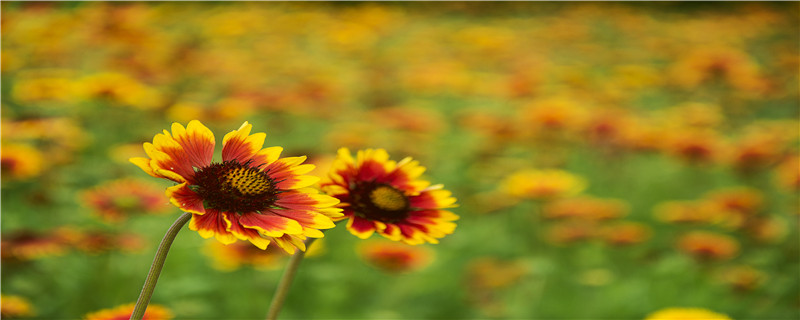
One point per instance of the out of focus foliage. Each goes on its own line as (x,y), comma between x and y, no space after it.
(610,160)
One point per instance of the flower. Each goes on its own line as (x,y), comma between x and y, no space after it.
(708,245)
(694,145)
(488,273)
(25,245)
(116,200)
(568,232)
(734,206)
(543,184)
(686,314)
(585,207)
(153,312)
(20,161)
(251,195)
(12,306)
(384,196)
(625,233)
(98,241)
(787,174)
(231,257)
(742,277)
(553,114)
(394,257)
(48,85)
(118,88)
(689,212)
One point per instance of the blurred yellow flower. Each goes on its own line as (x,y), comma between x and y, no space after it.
(118,88)
(20,161)
(489,273)
(730,65)
(585,207)
(695,146)
(116,200)
(53,88)
(13,306)
(25,245)
(153,312)
(787,174)
(625,233)
(229,257)
(706,245)
(686,314)
(742,277)
(543,184)
(568,232)
(395,257)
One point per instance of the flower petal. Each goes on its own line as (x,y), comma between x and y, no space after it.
(144,164)
(240,145)
(212,224)
(186,199)
(360,227)
(252,235)
(270,224)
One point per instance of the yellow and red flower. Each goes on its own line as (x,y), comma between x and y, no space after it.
(395,257)
(20,161)
(787,174)
(742,277)
(585,207)
(545,184)
(12,307)
(252,195)
(116,200)
(686,314)
(384,196)
(706,245)
(231,257)
(25,245)
(123,312)
(625,233)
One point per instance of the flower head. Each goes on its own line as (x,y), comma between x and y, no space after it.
(116,200)
(153,312)
(708,245)
(25,245)
(252,195)
(395,257)
(543,184)
(686,314)
(625,233)
(384,196)
(12,306)
(742,277)
(585,207)
(233,256)
(21,161)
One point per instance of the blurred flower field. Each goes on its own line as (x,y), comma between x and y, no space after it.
(610,160)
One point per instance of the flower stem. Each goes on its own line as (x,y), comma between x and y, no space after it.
(286,282)
(155,269)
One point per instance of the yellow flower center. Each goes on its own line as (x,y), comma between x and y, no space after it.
(387,198)
(246,180)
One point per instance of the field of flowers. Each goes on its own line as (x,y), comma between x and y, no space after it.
(609,160)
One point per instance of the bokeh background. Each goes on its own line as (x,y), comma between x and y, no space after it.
(610,159)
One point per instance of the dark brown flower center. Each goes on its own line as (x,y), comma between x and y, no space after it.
(234,187)
(382,202)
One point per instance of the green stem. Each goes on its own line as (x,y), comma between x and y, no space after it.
(158,264)
(286,282)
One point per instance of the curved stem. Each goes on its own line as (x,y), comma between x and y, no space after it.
(158,263)
(286,282)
